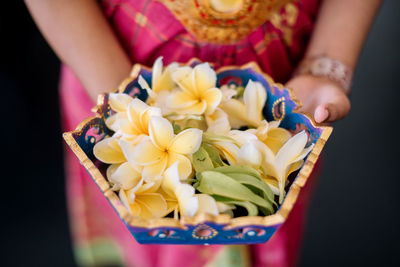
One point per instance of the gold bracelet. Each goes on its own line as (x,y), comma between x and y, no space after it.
(323,66)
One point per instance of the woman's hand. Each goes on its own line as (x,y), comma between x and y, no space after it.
(320,97)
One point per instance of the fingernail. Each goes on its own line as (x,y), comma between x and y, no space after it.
(321,114)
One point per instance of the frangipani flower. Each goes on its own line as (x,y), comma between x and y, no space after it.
(288,159)
(187,202)
(160,80)
(123,176)
(218,122)
(197,94)
(143,200)
(271,134)
(162,148)
(132,124)
(248,112)
(229,143)
(184,194)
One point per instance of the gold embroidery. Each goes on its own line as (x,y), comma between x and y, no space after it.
(285,21)
(204,19)
(140,19)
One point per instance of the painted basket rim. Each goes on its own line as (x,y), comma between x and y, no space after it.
(275,219)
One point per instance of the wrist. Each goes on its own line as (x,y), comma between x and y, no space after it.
(329,68)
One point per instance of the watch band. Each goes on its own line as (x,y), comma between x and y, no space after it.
(323,66)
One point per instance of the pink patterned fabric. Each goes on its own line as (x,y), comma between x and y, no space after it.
(148,30)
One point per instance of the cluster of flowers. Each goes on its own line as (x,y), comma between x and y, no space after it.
(183,152)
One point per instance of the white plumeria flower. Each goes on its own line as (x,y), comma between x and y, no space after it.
(249,111)
(162,148)
(197,92)
(276,167)
(160,80)
(271,134)
(162,84)
(218,122)
(144,200)
(131,123)
(123,175)
(187,202)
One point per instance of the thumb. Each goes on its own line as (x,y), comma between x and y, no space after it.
(334,110)
(321,114)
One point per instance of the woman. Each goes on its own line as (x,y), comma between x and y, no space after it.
(99,41)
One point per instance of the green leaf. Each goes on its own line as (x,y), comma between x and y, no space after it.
(239,92)
(177,128)
(239,169)
(214,155)
(250,207)
(216,183)
(251,180)
(202,161)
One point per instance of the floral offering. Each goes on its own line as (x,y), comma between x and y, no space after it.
(194,148)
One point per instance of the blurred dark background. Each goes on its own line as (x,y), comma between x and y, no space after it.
(354,217)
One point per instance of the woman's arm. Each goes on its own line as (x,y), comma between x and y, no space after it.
(340,31)
(82,38)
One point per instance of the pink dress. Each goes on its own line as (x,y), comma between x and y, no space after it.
(147,30)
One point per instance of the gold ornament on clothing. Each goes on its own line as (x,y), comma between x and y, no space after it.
(223,21)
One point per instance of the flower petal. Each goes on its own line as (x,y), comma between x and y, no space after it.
(142,82)
(218,122)
(273,184)
(135,109)
(242,137)
(274,144)
(125,176)
(207,204)
(150,185)
(184,77)
(145,117)
(111,122)
(254,98)
(187,141)
(111,169)
(184,164)
(145,153)
(304,153)
(181,100)
(107,152)
(205,77)
(213,98)
(249,155)
(291,150)
(188,203)
(119,102)
(154,171)
(237,112)
(279,133)
(229,150)
(196,109)
(171,179)
(165,82)
(153,205)
(124,200)
(127,149)
(161,132)
(157,70)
